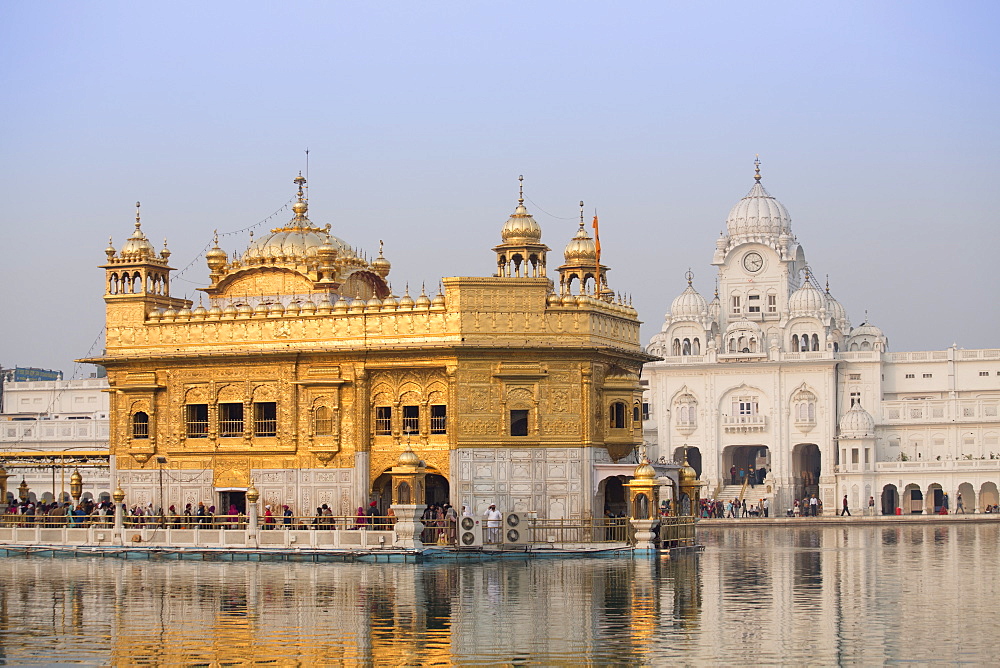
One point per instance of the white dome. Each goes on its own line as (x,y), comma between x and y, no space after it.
(807,300)
(865,329)
(835,309)
(688,305)
(758,214)
(857,423)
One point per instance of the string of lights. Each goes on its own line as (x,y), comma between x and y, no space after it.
(201,254)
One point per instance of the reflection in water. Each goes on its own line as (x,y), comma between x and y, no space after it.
(757,595)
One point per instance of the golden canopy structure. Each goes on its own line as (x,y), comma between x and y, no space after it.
(307,374)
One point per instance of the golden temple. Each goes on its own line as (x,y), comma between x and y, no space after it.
(308,376)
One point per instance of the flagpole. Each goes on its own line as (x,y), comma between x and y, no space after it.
(597,244)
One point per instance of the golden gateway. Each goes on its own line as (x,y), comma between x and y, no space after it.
(308,376)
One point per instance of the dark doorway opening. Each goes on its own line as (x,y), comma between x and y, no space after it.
(232,498)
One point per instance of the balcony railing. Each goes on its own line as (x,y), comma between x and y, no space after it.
(744,423)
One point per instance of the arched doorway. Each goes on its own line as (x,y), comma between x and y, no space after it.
(914,499)
(935,499)
(437,489)
(693,457)
(890,500)
(988,495)
(613,491)
(381,493)
(968,495)
(807,467)
(745,458)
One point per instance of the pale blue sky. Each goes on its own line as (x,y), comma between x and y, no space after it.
(877,126)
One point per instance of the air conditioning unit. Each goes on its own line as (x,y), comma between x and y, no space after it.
(470,533)
(515,530)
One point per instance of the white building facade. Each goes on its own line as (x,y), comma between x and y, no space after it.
(50,428)
(771,374)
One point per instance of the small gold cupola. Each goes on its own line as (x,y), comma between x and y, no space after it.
(522,253)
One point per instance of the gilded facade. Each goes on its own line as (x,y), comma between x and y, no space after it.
(307,375)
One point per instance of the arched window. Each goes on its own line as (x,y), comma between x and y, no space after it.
(140,425)
(113,284)
(617,415)
(323,421)
(636,413)
(815,342)
(732,345)
(696,347)
(676,349)
(795,342)
(686,347)
(753,345)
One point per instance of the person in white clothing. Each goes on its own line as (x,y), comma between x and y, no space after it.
(493,520)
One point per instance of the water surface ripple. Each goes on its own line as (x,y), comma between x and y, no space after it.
(817,596)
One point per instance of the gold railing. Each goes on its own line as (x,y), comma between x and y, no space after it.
(598,530)
(677,531)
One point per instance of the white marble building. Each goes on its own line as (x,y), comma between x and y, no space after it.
(47,428)
(771,373)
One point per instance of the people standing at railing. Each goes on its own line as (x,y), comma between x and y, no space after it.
(286,517)
(451,518)
(359,519)
(268,517)
(493,519)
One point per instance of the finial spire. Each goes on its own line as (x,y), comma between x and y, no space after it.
(756,164)
(520,189)
(828,284)
(215,239)
(716,287)
(137,223)
(689,275)
(300,181)
(581,213)
(380,248)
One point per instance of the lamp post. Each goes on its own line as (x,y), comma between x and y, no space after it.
(3,485)
(22,490)
(76,486)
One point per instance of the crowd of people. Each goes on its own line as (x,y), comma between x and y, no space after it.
(87,512)
(735,508)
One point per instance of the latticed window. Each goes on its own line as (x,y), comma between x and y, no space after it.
(439,419)
(231,420)
(383,420)
(323,421)
(411,419)
(196,416)
(140,425)
(265,418)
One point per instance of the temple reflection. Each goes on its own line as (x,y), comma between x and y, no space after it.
(832,595)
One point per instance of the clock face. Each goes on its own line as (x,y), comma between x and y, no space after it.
(753,262)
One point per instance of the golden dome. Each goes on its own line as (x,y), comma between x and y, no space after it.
(216,257)
(581,249)
(409,458)
(521,227)
(298,240)
(686,475)
(380,264)
(423,301)
(252,494)
(645,471)
(137,246)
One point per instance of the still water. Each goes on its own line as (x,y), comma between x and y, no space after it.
(818,596)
